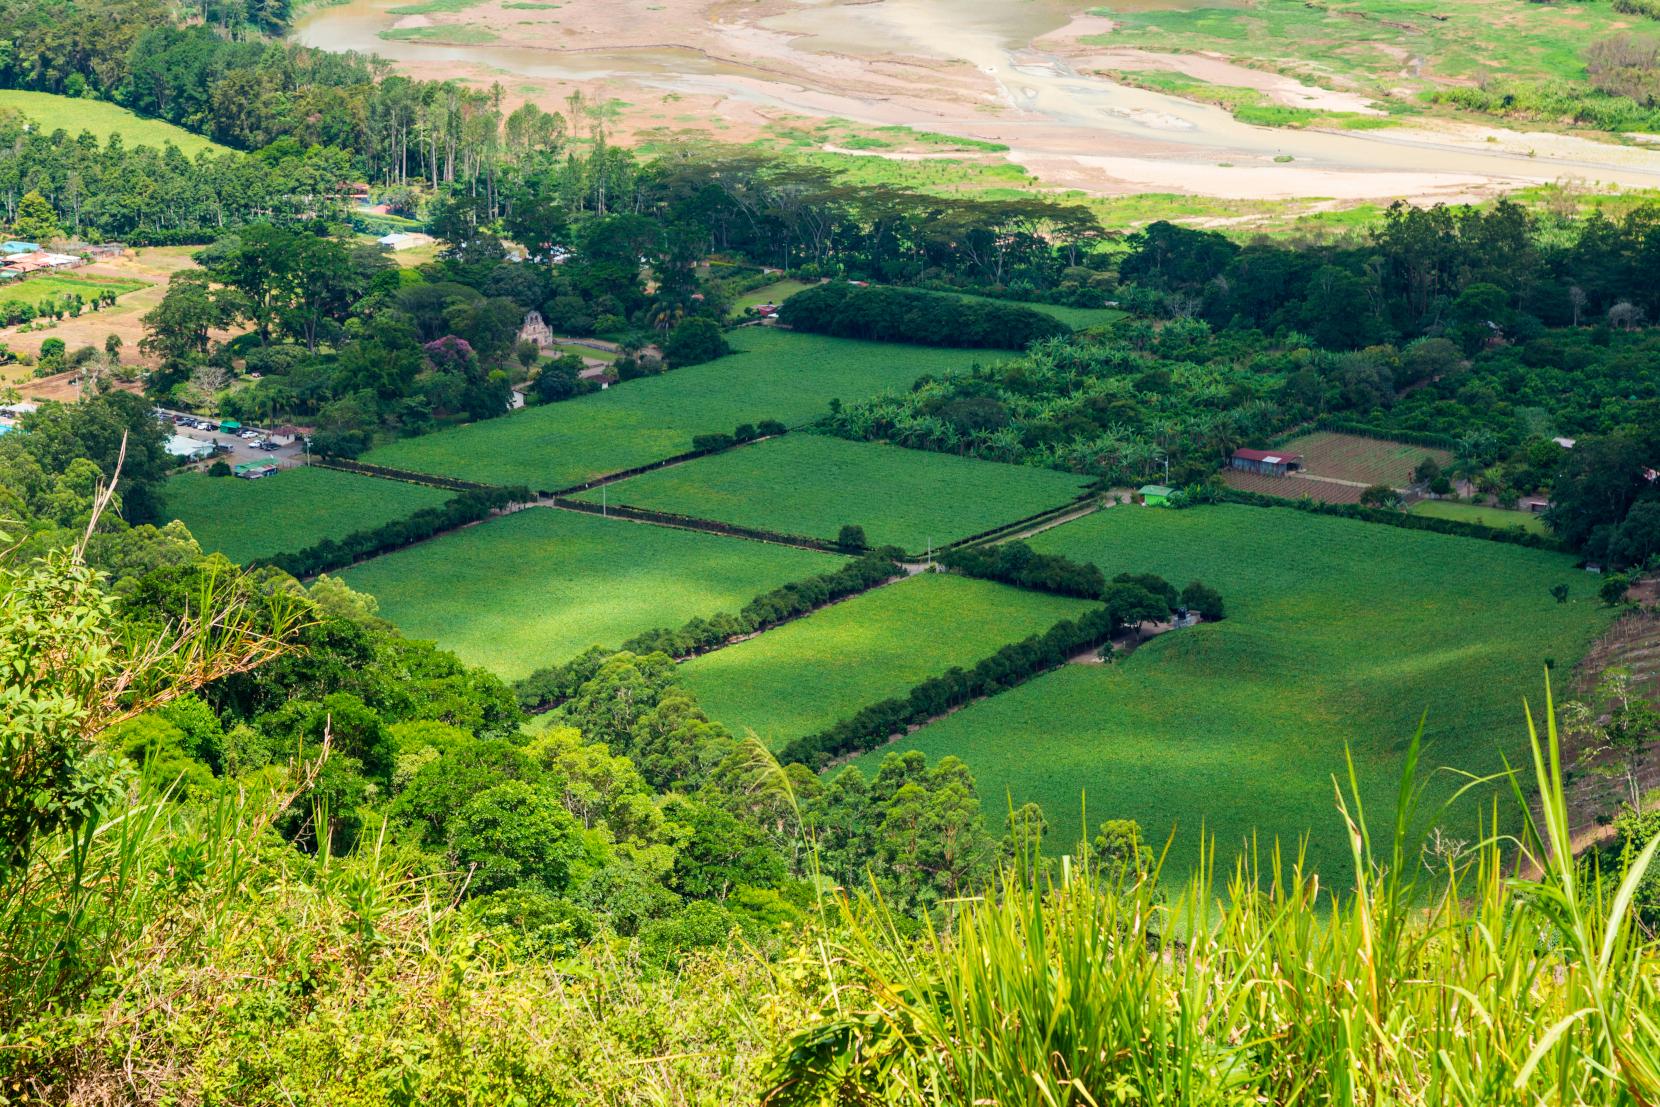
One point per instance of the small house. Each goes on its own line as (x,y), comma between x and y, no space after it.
(1154,495)
(284,435)
(254,470)
(1270,463)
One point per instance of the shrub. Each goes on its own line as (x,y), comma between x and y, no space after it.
(851,538)
(697,340)
(219,469)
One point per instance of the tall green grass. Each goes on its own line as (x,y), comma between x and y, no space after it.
(1497,972)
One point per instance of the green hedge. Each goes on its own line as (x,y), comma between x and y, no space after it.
(1009,666)
(554,683)
(1390,517)
(1018,564)
(921,318)
(329,554)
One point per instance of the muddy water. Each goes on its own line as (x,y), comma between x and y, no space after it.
(1050,110)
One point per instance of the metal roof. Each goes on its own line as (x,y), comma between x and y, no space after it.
(1267,456)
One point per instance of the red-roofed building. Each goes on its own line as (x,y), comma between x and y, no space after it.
(1272,463)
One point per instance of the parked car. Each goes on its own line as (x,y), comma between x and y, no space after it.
(249,434)
(271,447)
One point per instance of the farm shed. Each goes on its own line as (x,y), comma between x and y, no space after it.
(1534,504)
(16,247)
(1269,463)
(105,250)
(253,470)
(1154,495)
(28,263)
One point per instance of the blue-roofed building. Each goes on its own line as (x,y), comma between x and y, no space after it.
(16,247)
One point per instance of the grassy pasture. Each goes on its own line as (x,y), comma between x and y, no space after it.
(1484,514)
(1367,43)
(774,293)
(1075,317)
(245,519)
(102,119)
(810,485)
(537,587)
(773,374)
(803,676)
(1369,460)
(36,290)
(1339,633)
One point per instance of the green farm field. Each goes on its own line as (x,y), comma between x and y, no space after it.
(801,677)
(102,119)
(36,290)
(1483,514)
(539,586)
(297,508)
(1339,633)
(811,485)
(772,375)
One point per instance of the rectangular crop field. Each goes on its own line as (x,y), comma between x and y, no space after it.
(297,508)
(1292,487)
(1485,515)
(773,374)
(801,677)
(539,586)
(75,114)
(1367,460)
(811,485)
(1338,633)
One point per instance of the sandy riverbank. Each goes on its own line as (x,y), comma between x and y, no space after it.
(1016,74)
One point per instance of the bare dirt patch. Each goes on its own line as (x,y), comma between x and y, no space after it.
(1292,487)
(1351,457)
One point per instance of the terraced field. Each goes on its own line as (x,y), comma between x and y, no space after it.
(297,508)
(1340,633)
(773,375)
(811,485)
(801,677)
(537,587)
